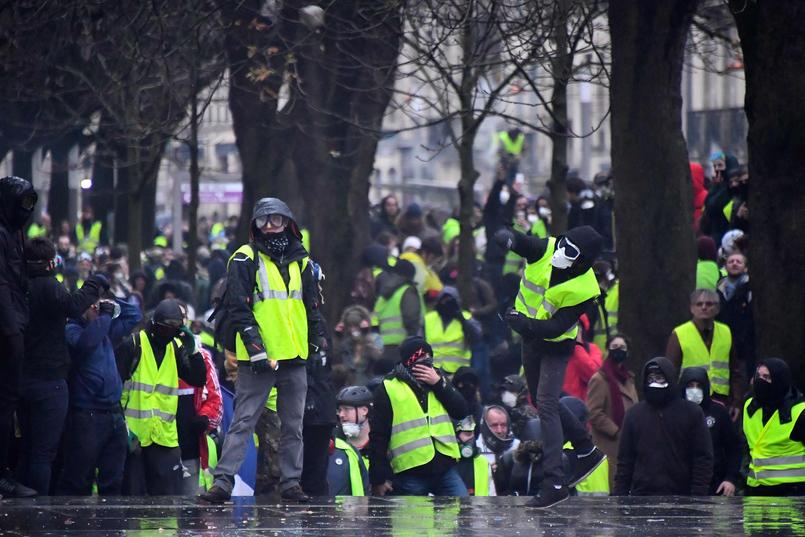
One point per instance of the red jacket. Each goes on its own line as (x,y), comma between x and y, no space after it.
(207,402)
(581,367)
(699,192)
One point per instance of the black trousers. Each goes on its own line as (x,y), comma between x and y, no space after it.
(155,471)
(317,454)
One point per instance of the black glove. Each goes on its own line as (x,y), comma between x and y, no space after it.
(257,352)
(101,280)
(504,238)
(106,307)
(518,322)
(199,425)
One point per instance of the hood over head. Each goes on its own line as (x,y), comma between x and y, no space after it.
(266,206)
(706,248)
(375,255)
(17,201)
(660,396)
(780,386)
(699,374)
(590,244)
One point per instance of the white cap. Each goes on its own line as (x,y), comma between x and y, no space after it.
(412,242)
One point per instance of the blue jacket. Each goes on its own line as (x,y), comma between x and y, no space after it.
(94,379)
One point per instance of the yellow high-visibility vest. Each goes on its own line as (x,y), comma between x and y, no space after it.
(775,459)
(716,360)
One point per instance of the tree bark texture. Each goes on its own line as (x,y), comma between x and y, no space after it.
(561,67)
(772,41)
(59,197)
(656,249)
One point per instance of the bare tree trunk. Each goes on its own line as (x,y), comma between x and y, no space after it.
(134,208)
(22,165)
(772,41)
(466,194)
(561,65)
(656,251)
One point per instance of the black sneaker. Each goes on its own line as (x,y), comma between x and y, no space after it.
(549,497)
(586,465)
(10,488)
(296,494)
(215,495)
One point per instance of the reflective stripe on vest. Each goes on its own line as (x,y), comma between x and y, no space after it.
(514,147)
(89,242)
(389,317)
(449,349)
(151,397)
(415,435)
(775,459)
(355,477)
(716,360)
(480,473)
(538,300)
(279,310)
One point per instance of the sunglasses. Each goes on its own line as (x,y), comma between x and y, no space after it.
(171,323)
(571,251)
(276,220)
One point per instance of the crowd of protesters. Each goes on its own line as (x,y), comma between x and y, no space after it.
(114,380)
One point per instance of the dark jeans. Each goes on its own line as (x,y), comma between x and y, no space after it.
(10,370)
(480,363)
(41,412)
(545,375)
(316,440)
(155,471)
(95,441)
(446,484)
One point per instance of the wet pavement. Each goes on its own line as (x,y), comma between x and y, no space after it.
(403,517)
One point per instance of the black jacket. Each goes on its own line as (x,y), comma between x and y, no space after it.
(380,421)
(726,442)
(13,280)
(496,215)
(665,449)
(46,354)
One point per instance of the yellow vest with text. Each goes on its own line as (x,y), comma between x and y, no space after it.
(279,310)
(774,459)
(389,317)
(716,360)
(355,478)
(416,436)
(449,350)
(88,242)
(151,396)
(538,300)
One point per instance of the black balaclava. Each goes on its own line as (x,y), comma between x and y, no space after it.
(17,202)
(414,350)
(467,378)
(771,394)
(448,304)
(589,243)
(660,396)
(497,444)
(167,321)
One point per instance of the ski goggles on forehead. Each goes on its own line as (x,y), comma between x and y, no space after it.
(570,250)
(276,220)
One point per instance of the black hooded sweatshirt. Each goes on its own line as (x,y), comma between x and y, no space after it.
(726,442)
(242,271)
(665,447)
(13,280)
(532,249)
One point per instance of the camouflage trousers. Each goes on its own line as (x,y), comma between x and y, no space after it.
(268,462)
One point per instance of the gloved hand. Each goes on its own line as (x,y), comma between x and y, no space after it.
(199,425)
(106,307)
(504,238)
(101,280)
(188,340)
(518,322)
(259,363)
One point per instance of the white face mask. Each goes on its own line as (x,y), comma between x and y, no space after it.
(694,395)
(544,212)
(509,399)
(560,261)
(504,196)
(532,218)
(351,430)
(395,252)
(658,384)
(356,334)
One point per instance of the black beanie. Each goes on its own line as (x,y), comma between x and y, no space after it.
(588,240)
(168,309)
(405,268)
(412,345)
